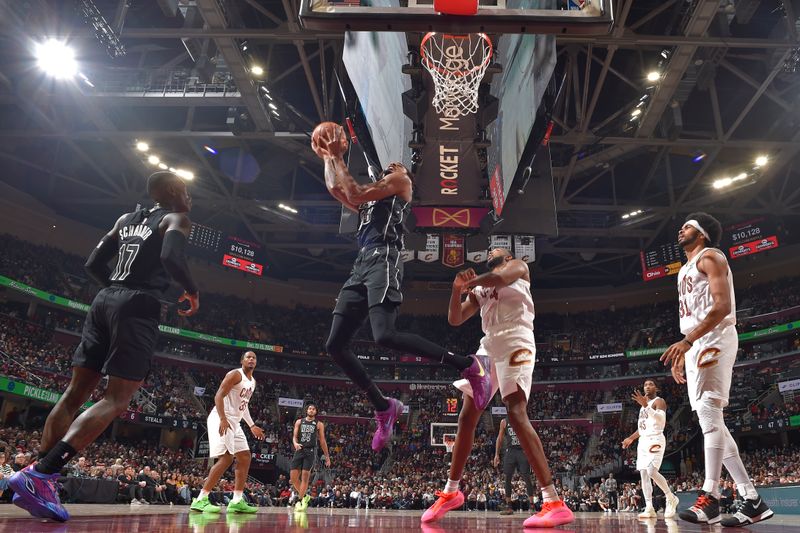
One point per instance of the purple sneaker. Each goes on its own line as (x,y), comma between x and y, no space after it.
(37,493)
(385,421)
(480,380)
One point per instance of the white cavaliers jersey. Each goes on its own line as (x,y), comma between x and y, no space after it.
(237,400)
(650,426)
(695,299)
(511,305)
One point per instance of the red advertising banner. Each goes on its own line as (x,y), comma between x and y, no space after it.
(243,265)
(453,250)
(449,217)
(753,247)
(497,190)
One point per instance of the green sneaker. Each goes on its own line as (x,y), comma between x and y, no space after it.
(298,506)
(306,501)
(203,506)
(242,507)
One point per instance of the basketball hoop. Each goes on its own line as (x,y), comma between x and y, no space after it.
(457,64)
(449,443)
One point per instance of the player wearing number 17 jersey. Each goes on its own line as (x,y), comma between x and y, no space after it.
(226,438)
(704,360)
(119,334)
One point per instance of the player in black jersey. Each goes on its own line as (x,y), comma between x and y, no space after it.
(119,334)
(514,460)
(307,432)
(373,289)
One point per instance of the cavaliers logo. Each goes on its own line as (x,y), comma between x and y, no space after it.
(521,357)
(460,218)
(655,448)
(708,358)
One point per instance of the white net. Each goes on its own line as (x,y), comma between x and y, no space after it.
(457,64)
(449,443)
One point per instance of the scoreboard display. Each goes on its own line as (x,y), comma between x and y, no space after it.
(750,237)
(451,406)
(661,261)
(229,251)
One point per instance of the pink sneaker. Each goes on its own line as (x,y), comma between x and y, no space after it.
(553,514)
(385,424)
(447,501)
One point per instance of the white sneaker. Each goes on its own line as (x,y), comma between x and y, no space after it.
(672,507)
(648,512)
(135,502)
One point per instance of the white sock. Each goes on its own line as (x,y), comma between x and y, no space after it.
(203,494)
(647,488)
(711,486)
(237,495)
(549,494)
(661,481)
(452,485)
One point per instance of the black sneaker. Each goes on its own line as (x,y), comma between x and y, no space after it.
(750,512)
(704,511)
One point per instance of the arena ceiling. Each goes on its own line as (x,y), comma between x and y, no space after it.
(730,78)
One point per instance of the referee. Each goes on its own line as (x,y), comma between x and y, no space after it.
(514,460)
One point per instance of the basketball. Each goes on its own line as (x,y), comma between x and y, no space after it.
(325,135)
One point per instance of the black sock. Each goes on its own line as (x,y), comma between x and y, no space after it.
(54,461)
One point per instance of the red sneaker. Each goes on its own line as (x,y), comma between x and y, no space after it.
(447,502)
(553,514)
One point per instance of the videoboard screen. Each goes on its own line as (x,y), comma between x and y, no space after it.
(230,251)
(750,237)
(661,261)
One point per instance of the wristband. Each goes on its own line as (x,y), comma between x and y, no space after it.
(687,342)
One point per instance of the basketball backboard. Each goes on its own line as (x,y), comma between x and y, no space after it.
(584,17)
(441,429)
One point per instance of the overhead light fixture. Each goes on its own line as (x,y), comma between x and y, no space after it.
(172,169)
(56,59)
(288,208)
(142,146)
(632,214)
(185,174)
(653,75)
(163,166)
(722,183)
(698,156)
(266,92)
(256,70)
(153,160)
(762,160)
(636,112)
(209,149)
(273,106)
(665,53)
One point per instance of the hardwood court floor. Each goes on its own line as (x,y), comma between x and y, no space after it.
(126,519)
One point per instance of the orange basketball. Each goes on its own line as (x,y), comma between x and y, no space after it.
(332,132)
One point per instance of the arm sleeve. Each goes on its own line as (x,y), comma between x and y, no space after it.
(97,263)
(660,415)
(247,418)
(173,257)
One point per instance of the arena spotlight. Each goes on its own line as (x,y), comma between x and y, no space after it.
(185,174)
(653,75)
(56,59)
(273,106)
(153,160)
(163,166)
(256,70)
(636,112)
(209,149)
(722,183)
(142,146)
(698,156)
(288,208)
(761,161)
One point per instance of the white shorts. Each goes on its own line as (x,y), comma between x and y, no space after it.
(233,442)
(512,356)
(709,366)
(650,452)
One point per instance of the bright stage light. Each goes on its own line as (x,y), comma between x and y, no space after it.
(653,75)
(142,146)
(761,160)
(153,160)
(256,70)
(56,59)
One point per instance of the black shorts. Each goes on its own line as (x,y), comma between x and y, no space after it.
(375,279)
(303,459)
(515,460)
(120,333)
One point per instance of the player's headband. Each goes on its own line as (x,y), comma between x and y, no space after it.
(696,225)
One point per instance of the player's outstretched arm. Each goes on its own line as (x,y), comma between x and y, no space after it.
(514,270)
(630,440)
(231,379)
(459,312)
(97,263)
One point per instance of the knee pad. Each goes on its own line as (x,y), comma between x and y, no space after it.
(712,423)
